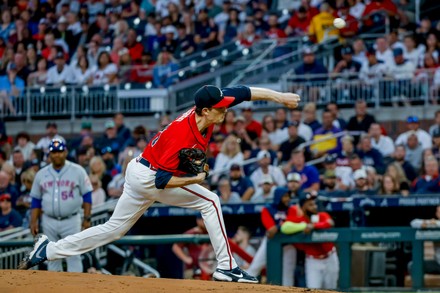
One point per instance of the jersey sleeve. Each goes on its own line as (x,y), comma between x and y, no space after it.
(36,189)
(325,221)
(162,178)
(267,219)
(241,94)
(85,185)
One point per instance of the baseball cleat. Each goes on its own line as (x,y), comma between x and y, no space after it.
(37,255)
(234,275)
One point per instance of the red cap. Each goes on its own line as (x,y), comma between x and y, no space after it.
(5,196)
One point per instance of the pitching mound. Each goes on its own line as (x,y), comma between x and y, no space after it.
(46,282)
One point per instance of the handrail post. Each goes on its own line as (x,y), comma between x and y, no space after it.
(28,105)
(72,104)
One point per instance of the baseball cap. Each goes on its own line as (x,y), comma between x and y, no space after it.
(59,55)
(239,118)
(397,52)
(169,29)
(294,177)
(263,154)
(347,50)
(307,51)
(329,174)
(266,179)
(246,106)
(51,124)
(306,196)
(43,21)
(371,51)
(86,125)
(330,159)
(57,145)
(293,123)
(436,132)
(5,196)
(106,150)
(62,19)
(360,174)
(209,96)
(412,119)
(109,124)
(12,66)
(235,167)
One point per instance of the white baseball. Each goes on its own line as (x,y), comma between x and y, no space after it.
(339,23)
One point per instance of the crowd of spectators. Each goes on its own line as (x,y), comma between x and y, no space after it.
(368,162)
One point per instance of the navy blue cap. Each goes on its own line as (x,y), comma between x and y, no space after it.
(397,52)
(347,50)
(330,159)
(412,119)
(59,55)
(57,145)
(209,96)
(307,196)
(106,150)
(293,123)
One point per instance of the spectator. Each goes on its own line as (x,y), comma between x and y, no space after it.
(110,138)
(51,133)
(134,47)
(352,27)
(185,42)
(98,194)
(240,184)
(362,120)
(431,45)
(274,32)
(61,73)
(360,52)
(382,143)
(162,72)
(9,217)
(338,122)
(410,51)
(122,131)
(396,171)
(347,151)
(230,153)
(347,68)
(24,144)
(7,187)
(436,125)
(233,28)
(39,77)
(281,118)
(403,72)
(247,139)
(294,184)
(384,53)
(19,165)
(7,28)
(227,126)
(436,144)
(251,124)
(331,186)
(263,143)
(400,158)
(414,151)
(304,130)
(309,174)
(108,155)
(321,27)
(315,73)
(376,12)
(265,168)
(169,43)
(249,37)
(413,125)
(105,72)
(310,116)
(389,186)
(292,143)
(369,155)
(206,31)
(343,173)
(299,23)
(242,238)
(20,63)
(429,182)
(97,167)
(82,72)
(42,29)
(275,135)
(327,130)
(361,184)
(373,179)
(23,203)
(11,87)
(265,190)
(225,194)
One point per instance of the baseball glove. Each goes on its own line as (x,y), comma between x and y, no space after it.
(193,161)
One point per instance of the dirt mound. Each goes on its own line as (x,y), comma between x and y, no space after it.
(46,282)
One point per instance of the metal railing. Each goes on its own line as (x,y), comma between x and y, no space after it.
(347,88)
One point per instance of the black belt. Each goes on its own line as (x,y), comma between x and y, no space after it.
(63,218)
(147,164)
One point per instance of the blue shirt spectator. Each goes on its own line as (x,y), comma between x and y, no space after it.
(240,184)
(162,77)
(310,67)
(430,182)
(9,218)
(370,156)
(11,83)
(309,174)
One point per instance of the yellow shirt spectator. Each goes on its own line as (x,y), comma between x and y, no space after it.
(320,23)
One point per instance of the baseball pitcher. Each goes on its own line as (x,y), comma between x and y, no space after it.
(160,174)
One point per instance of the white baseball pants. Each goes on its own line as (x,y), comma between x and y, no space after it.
(289,262)
(55,230)
(322,273)
(139,194)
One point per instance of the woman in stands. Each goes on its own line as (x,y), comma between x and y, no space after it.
(276,135)
(38,77)
(82,72)
(227,126)
(389,186)
(105,72)
(230,153)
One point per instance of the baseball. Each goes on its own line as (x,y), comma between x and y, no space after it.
(339,23)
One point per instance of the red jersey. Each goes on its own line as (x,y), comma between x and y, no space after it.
(375,6)
(163,150)
(312,249)
(194,249)
(255,126)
